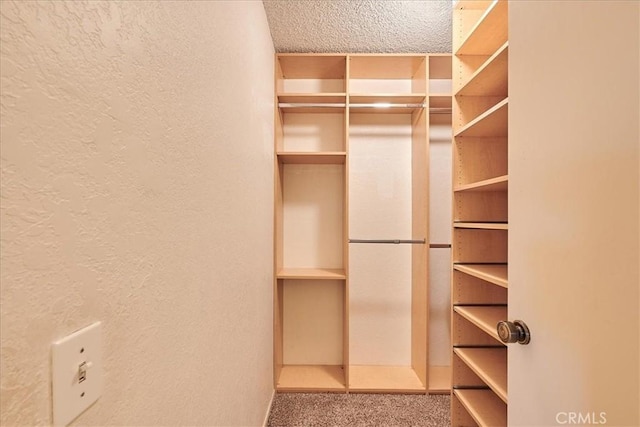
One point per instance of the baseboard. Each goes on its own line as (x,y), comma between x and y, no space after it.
(266,416)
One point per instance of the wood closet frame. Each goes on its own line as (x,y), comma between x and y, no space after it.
(319,85)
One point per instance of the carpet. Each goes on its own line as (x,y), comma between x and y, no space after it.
(336,410)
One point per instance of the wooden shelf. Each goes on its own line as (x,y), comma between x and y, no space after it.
(332,102)
(482,225)
(485,318)
(490,364)
(316,66)
(389,379)
(311,378)
(384,66)
(491,78)
(312,273)
(489,33)
(440,66)
(439,379)
(493,273)
(317,98)
(304,158)
(440,100)
(492,122)
(390,98)
(500,183)
(484,407)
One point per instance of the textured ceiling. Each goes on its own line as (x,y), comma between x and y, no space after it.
(350,26)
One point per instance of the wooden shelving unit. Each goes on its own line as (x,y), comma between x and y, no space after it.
(310,288)
(480,224)
(318,97)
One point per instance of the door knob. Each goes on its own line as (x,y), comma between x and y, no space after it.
(516,331)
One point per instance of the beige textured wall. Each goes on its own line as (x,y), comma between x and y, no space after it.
(136,190)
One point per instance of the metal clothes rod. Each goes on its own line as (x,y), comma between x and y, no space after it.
(440,245)
(389,241)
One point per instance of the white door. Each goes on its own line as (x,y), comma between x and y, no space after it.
(573,212)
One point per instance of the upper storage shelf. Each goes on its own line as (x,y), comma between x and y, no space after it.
(371,76)
(484,27)
(306,75)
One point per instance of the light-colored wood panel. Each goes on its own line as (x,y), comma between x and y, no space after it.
(312,322)
(490,364)
(499,183)
(312,66)
(439,379)
(491,123)
(462,375)
(466,333)
(277,329)
(387,98)
(385,66)
(478,206)
(468,289)
(491,78)
(476,246)
(440,101)
(300,158)
(484,407)
(460,417)
(328,98)
(469,108)
(313,215)
(311,378)
(389,379)
(477,159)
(489,33)
(419,253)
(466,15)
(312,273)
(440,66)
(485,318)
(346,356)
(482,225)
(419,80)
(465,67)
(493,273)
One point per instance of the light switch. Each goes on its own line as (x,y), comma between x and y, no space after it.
(76,373)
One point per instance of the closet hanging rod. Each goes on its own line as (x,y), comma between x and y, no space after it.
(388,241)
(374,105)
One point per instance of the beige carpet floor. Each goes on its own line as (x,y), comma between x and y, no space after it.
(337,410)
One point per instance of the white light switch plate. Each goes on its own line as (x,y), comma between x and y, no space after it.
(71,396)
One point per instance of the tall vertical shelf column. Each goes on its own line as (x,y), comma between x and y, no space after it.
(388,149)
(480,217)
(310,285)
(440,143)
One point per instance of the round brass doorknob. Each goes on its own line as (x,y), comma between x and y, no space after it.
(511,332)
